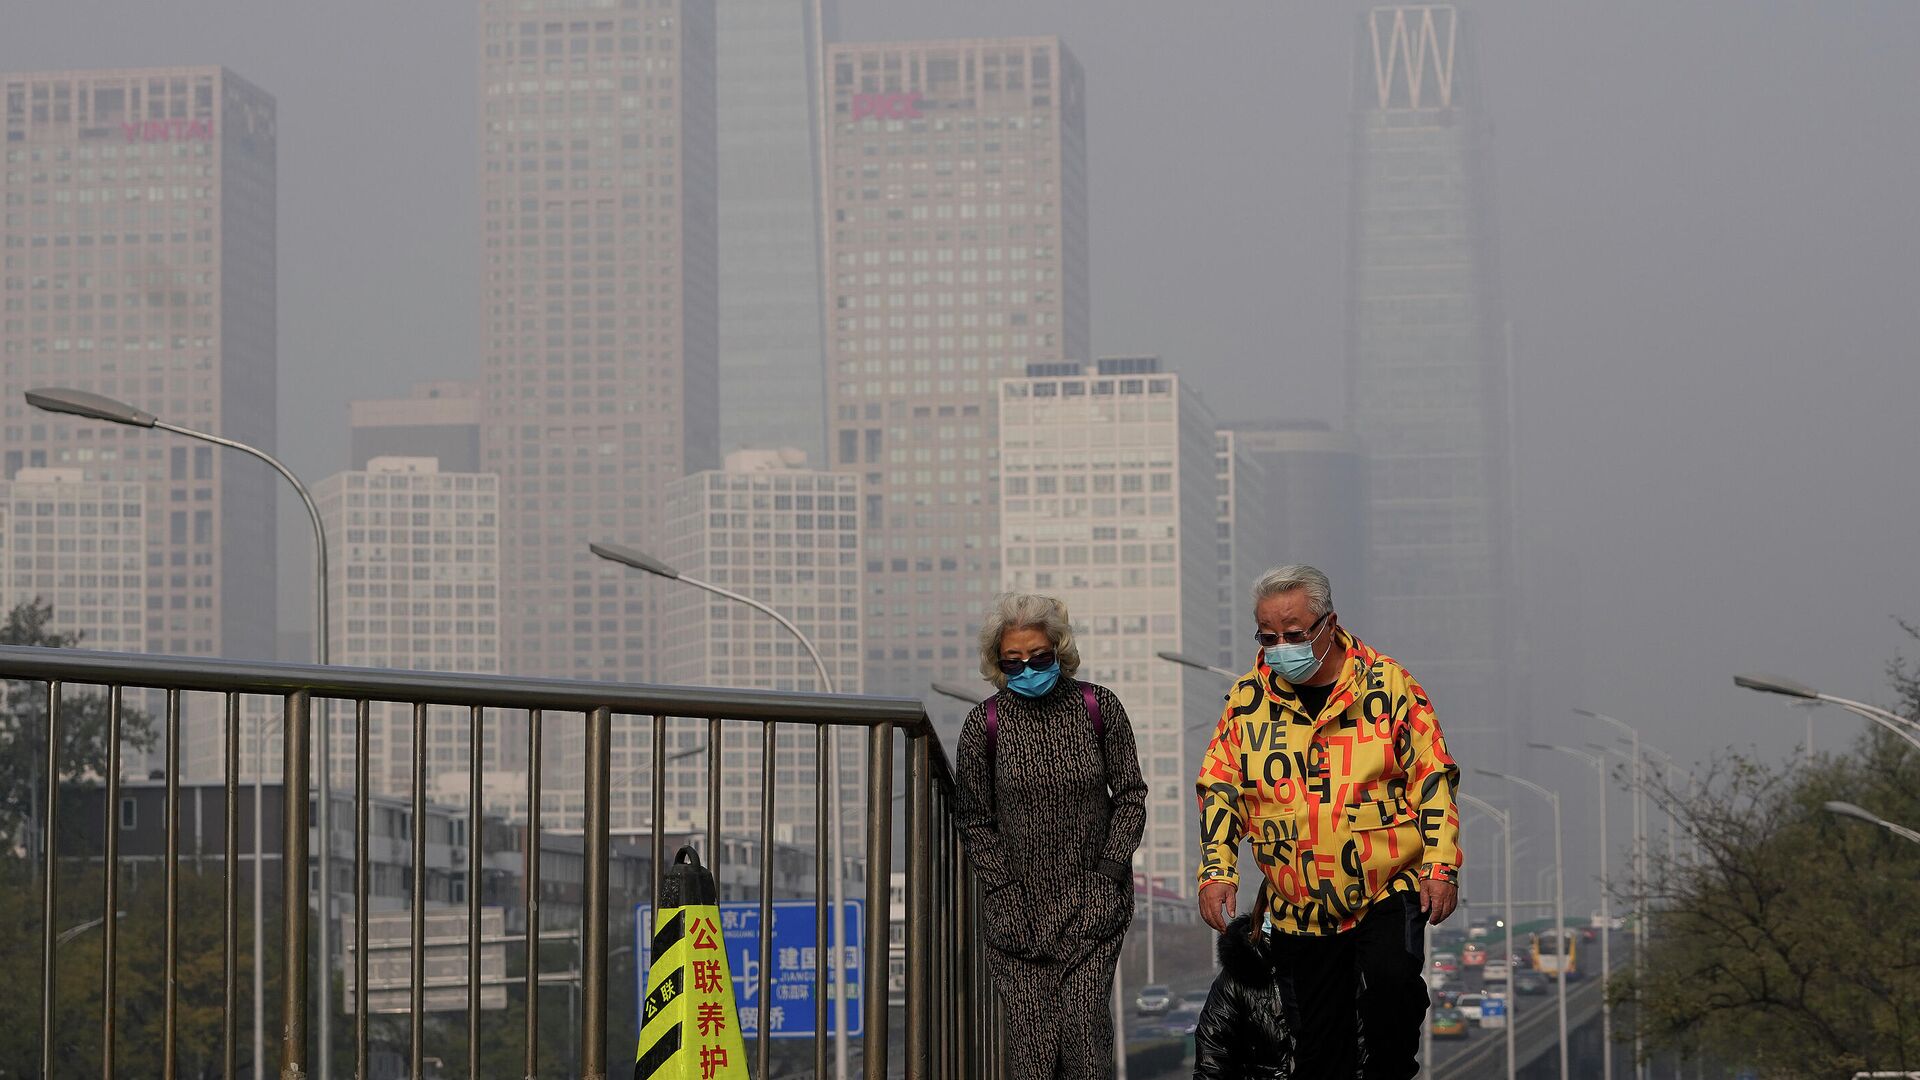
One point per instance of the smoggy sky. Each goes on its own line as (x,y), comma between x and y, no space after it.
(1706,218)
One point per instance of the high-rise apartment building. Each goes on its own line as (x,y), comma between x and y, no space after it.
(1108,501)
(1427,379)
(137,259)
(415,583)
(81,547)
(788,537)
(1309,486)
(773,369)
(600,380)
(957,242)
(1244,544)
(440,420)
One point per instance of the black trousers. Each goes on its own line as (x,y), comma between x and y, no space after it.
(1367,979)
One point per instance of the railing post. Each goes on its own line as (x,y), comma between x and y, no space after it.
(593,964)
(532,880)
(293,888)
(919,839)
(879,880)
(50,863)
(230,927)
(170,949)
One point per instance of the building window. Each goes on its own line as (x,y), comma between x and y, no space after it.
(129,815)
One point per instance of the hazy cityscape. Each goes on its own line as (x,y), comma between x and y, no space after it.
(1576,342)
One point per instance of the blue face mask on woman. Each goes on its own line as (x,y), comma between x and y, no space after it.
(1032,677)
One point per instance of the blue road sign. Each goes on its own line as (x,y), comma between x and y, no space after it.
(790,1014)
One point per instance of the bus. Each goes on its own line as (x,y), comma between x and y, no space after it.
(1547,958)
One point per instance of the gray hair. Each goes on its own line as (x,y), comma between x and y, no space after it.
(1285,579)
(1020,611)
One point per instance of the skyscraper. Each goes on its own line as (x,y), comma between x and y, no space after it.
(598,181)
(773,367)
(788,537)
(81,547)
(957,244)
(1427,377)
(415,584)
(1108,502)
(138,243)
(440,420)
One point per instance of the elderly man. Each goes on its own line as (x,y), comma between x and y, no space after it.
(1329,761)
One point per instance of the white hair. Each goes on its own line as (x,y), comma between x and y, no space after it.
(1020,611)
(1285,579)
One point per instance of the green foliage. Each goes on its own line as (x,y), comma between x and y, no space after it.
(140,968)
(23,725)
(1787,941)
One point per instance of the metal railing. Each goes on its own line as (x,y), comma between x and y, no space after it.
(952,1023)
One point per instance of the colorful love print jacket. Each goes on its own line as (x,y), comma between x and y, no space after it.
(1340,809)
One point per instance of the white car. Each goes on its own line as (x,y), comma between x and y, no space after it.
(1469,1006)
(1495,971)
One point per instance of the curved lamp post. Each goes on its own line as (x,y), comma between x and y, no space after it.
(828,809)
(1559,902)
(1847,809)
(1506,838)
(1599,764)
(1639,869)
(959,693)
(91,406)
(1773,684)
(1198,665)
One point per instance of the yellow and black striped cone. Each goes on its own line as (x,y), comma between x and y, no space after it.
(689,1029)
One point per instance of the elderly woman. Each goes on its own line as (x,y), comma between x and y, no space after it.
(1051,805)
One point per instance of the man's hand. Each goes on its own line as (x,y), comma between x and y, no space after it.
(1437,899)
(1220,902)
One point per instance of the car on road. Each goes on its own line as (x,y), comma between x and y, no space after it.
(1473,956)
(1153,1000)
(1529,982)
(1469,1006)
(1437,983)
(1191,1000)
(1446,963)
(1495,972)
(1448,1024)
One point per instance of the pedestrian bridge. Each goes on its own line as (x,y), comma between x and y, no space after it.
(947,1024)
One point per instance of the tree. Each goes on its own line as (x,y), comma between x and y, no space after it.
(1786,941)
(23,725)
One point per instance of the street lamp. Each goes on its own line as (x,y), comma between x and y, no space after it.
(75,931)
(1847,809)
(1639,870)
(1773,684)
(91,406)
(1599,764)
(829,797)
(1559,902)
(1513,998)
(1198,665)
(960,693)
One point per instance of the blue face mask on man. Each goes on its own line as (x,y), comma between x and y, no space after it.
(1294,661)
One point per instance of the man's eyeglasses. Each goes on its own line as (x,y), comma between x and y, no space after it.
(1040,661)
(1267,639)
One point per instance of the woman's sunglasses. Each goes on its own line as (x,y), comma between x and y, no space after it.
(1041,661)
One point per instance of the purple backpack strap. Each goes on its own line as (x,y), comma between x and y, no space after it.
(993,725)
(1093,714)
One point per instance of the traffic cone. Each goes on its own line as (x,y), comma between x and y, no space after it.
(689,1029)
